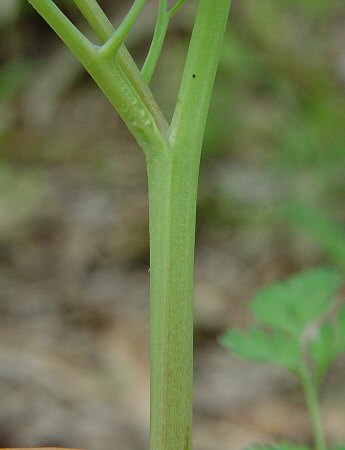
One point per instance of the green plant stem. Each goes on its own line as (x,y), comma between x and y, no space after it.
(71,36)
(178,5)
(104,29)
(157,41)
(96,17)
(173,157)
(136,106)
(173,181)
(164,16)
(120,35)
(312,399)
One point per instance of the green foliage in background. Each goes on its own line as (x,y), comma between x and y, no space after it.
(326,232)
(301,327)
(282,446)
(287,446)
(286,117)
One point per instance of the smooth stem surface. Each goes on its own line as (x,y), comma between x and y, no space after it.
(96,17)
(312,399)
(173,157)
(120,35)
(173,181)
(71,36)
(104,29)
(136,106)
(164,16)
(157,41)
(178,5)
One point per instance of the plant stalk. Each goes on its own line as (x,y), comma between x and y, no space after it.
(116,75)
(173,157)
(173,181)
(313,403)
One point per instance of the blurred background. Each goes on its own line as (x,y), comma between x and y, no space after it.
(74,252)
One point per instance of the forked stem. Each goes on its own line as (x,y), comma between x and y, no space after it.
(119,36)
(117,76)
(104,29)
(96,17)
(173,157)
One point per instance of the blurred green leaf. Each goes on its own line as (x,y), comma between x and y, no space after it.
(292,305)
(322,349)
(288,309)
(275,347)
(329,235)
(282,446)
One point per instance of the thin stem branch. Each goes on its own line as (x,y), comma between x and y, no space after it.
(161,28)
(120,35)
(96,17)
(136,106)
(64,28)
(176,8)
(104,29)
(157,41)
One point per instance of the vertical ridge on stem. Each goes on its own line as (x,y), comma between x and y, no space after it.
(172,220)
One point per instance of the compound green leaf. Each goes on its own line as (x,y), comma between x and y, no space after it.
(258,345)
(315,292)
(286,350)
(282,446)
(271,306)
(252,345)
(292,305)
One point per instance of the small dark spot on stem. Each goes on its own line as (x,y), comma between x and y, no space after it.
(194,76)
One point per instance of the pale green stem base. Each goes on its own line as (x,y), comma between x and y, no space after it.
(172,250)
(313,403)
(173,181)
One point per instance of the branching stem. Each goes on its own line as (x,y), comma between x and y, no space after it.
(119,79)
(104,29)
(96,17)
(64,28)
(119,36)
(173,157)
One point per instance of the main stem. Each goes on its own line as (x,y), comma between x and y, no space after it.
(173,180)
(173,158)
(312,399)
